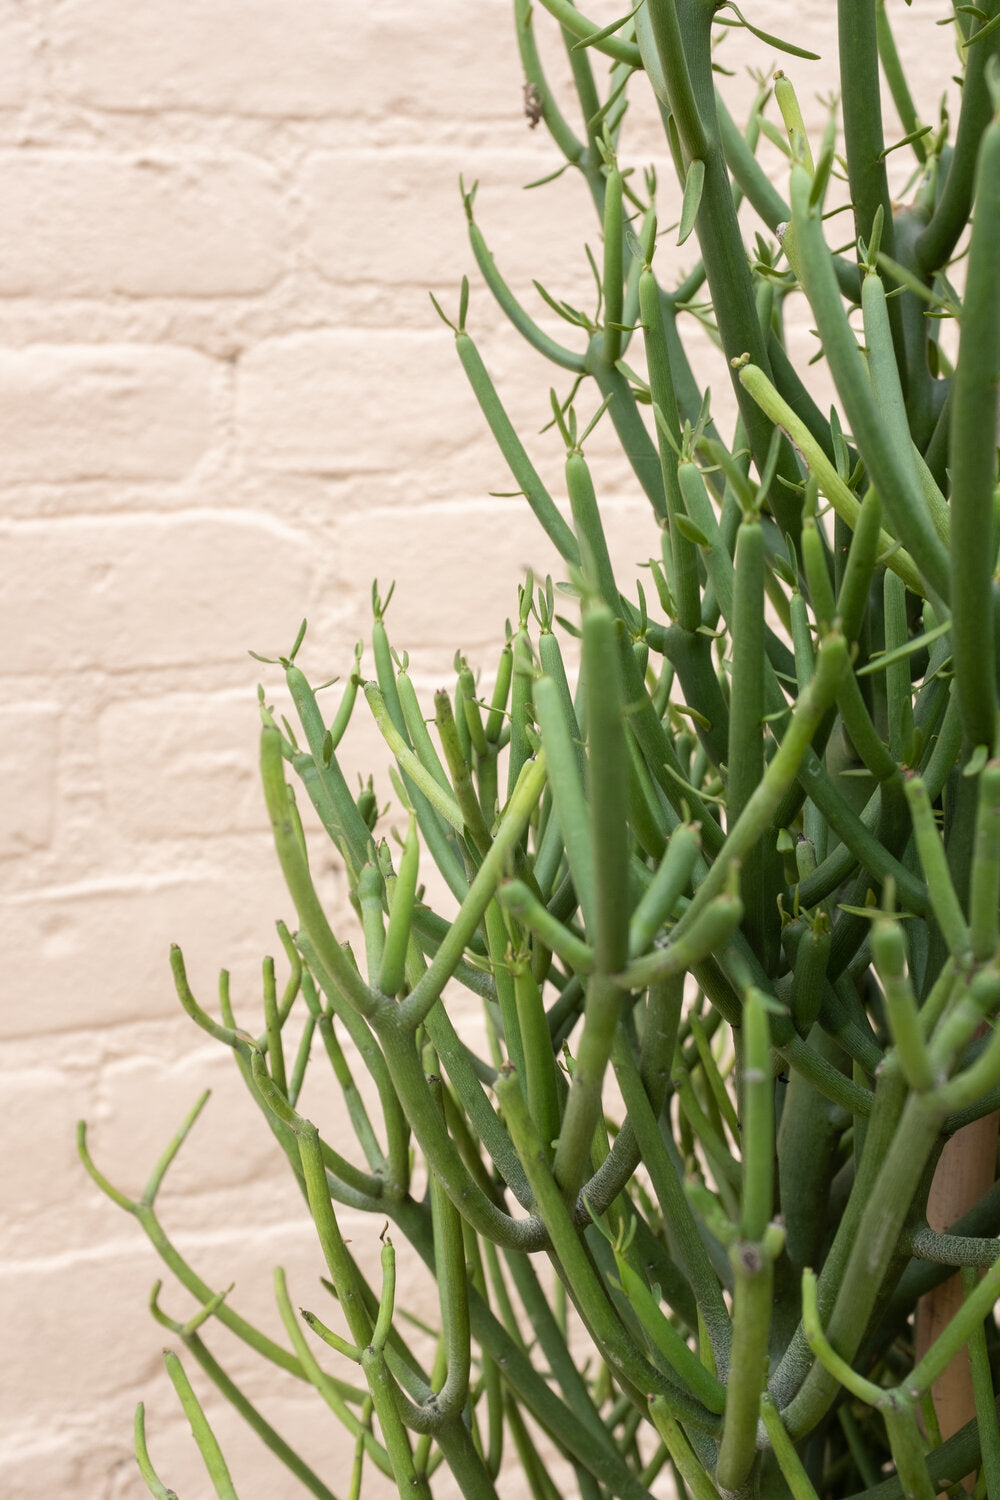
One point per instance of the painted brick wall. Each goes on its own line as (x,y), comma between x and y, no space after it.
(226,403)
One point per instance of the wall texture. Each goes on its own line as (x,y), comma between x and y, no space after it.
(226,403)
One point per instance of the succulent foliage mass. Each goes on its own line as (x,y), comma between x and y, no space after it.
(721,846)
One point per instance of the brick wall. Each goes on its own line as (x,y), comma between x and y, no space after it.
(226,403)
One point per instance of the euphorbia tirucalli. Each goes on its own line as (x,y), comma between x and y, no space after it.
(730,904)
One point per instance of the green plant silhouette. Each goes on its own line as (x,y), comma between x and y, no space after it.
(744,864)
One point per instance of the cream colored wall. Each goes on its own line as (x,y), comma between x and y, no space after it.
(226,403)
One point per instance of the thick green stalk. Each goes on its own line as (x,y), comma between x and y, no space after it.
(898,691)
(661,25)
(944,899)
(874,1246)
(544,99)
(630,428)
(840,496)
(883,1116)
(791,1465)
(716,924)
(611,346)
(342,1273)
(984,898)
(323,1383)
(510,445)
(607,786)
(973,462)
(982,1381)
(579,26)
(475,828)
(831,662)
(806,1143)
(609,840)
(525,325)
(590,529)
(522,675)
(442,800)
(515,820)
(443,1156)
(979,1303)
(663,1339)
(951,212)
(752,1297)
(207,1442)
(686,1244)
(453,1296)
(295,868)
(681,34)
(560,736)
(902,497)
(896,79)
(758,1121)
(906,1444)
(890,398)
(661,388)
(468,1075)
(539,1062)
(326,783)
(687,1462)
(391,973)
(150,1478)
(617,1347)
(659,901)
(255,1419)
(745,754)
(888,951)
(861,91)
(516,898)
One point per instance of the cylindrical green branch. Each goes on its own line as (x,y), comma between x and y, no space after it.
(973,462)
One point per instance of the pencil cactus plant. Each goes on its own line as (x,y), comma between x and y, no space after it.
(748,870)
